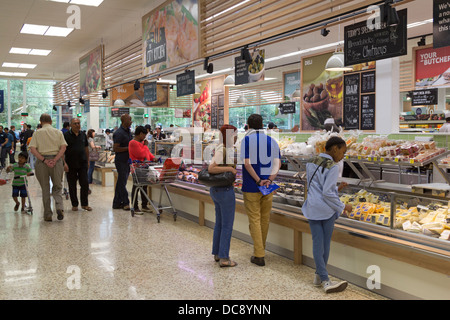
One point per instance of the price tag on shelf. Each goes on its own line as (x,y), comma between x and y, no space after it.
(396,159)
(347,157)
(369,158)
(359,157)
(382,159)
(411,161)
(375,159)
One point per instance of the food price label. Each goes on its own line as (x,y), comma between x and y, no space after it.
(396,159)
(382,159)
(411,161)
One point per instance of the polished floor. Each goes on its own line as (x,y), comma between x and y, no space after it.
(107,254)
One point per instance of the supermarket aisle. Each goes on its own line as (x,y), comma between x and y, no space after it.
(107,254)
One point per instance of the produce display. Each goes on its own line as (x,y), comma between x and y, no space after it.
(432,220)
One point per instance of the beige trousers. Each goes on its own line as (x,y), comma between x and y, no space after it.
(258,208)
(43,175)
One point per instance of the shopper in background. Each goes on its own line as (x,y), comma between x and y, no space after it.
(121,138)
(93,153)
(138,150)
(149,134)
(261,162)
(3,142)
(8,146)
(48,146)
(14,145)
(26,134)
(158,135)
(76,164)
(446,126)
(223,197)
(323,206)
(108,139)
(66,127)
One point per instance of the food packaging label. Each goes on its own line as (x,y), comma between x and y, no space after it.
(267,190)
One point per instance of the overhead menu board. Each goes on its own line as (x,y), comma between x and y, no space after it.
(186,83)
(424,97)
(368,112)
(150,92)
(368,82)
(351,101)
(363,44)
(118,112)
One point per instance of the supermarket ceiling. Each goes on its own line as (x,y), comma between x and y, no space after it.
(116,23)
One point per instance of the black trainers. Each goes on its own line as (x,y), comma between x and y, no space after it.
(258,261)
(60,214)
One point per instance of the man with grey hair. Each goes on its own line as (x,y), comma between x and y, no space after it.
(48,146)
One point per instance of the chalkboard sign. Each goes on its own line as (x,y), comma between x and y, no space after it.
(364,45)
(186,83)
(368,82)
(150,92)
(240,71)
(441,23)
(368,112)
(214,111)
(351,101)
(424,97)
(221,118)
(287,107)
(118,112)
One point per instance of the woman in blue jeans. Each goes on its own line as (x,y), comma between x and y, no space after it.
(323,206)
(92,149)
(223,197)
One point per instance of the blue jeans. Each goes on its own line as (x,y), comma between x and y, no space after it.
(321,231)
(225,204)
(91,171)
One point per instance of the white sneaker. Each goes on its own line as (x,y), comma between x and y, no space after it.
(317,282)
(332,286)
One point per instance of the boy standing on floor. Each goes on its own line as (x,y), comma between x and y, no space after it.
(20,169)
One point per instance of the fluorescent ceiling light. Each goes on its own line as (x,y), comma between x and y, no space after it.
(287,55)
(34,29)
(58,32)
(94,3)
(36,52)
(40,52)
(419,23)
(18,65)
(46,30)
(13,74)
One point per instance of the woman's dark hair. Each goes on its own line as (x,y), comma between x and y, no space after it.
(226,128)
(335,141)
(255,121)
(139,130)
(90,132)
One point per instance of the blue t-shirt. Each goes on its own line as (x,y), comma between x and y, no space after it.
(261,150)
(10,140)
(3,137)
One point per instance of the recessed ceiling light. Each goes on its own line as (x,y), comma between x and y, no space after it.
(58,31)
(34,29)
(94,3)
(20,50)
(13,74)
(18,65)
(40,52)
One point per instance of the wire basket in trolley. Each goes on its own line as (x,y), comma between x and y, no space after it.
(150,173)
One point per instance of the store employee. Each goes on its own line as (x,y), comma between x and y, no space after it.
(446,127)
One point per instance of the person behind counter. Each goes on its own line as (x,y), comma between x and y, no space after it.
(446,126)
(158,135)
(223,197)
(138,150)
(323,206)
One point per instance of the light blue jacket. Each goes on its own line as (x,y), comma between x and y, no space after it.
(322,201)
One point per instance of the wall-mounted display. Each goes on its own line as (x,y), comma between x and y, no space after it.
(136,98)
(432,66)
(91,71)
(201,115)
(170,35)
(248,72)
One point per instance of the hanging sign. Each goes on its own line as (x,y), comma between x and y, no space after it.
(424,97)
(150,92)
(432,66)
(441,23)
(351,101)
(368,112)
(253,71)
(118,112)
(287,107)
(363,44)
(186,83)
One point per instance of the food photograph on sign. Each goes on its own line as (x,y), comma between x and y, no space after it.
(135,98)
(170,35)
(91,71)
(432,67)
(202,106)
(322,93)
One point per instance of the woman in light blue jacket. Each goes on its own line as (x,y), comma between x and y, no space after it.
(323,206)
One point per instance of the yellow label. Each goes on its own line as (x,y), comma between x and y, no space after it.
(382,159)
(359,157)
(411,161)
(396,159)
(369,158)
(375,158)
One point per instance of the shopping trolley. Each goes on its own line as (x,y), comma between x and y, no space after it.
(148,173)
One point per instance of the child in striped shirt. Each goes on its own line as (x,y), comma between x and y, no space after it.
(20,169)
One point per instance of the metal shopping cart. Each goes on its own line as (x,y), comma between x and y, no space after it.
(149,173)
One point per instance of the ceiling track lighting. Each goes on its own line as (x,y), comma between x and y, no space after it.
(324,32)
(422,42)
(389,14)
(105,94)
(245,55)
(208,67)
(137,85)
(81,100)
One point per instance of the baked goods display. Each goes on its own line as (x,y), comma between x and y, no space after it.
(431,220)
(394,150)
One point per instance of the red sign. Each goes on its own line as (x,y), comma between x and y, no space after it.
(432,66)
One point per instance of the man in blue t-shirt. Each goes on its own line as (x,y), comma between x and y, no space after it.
(3,143)
(8,146)
(260,156)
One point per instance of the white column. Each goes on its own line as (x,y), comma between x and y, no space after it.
(93,119)
(441,99)
(387,105)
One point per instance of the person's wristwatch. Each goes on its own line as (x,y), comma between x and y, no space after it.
(258,183)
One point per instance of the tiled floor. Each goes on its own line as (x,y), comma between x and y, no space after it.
(107,254)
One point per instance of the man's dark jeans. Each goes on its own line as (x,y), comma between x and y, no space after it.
(121,193)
